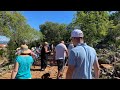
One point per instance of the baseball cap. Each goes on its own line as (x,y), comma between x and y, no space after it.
(77,33)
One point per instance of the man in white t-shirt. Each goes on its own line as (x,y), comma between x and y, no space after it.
(60,54)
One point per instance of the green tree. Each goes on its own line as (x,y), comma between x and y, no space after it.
(13,24)
(113,37)
(115,17)
(4,28)
(53,31)
(69,29)
(94,24)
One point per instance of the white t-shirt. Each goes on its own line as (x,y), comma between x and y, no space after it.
(60,51)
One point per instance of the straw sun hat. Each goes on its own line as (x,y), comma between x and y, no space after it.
(25,49)
(46,43)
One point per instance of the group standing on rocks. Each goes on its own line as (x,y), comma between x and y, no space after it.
(79,57)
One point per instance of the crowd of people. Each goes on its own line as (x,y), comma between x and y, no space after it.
(78,56)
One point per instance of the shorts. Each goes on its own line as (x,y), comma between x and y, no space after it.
(60,64)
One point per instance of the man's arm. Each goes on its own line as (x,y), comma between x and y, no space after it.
(54,54)
(15,70)
(96,68)
(70,72)
(66,50)
(71,65)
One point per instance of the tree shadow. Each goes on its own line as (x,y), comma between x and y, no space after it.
(33,69)
(36,78)
(5,64)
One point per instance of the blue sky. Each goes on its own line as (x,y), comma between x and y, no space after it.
(35,18)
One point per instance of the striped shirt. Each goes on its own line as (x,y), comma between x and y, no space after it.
(82,57)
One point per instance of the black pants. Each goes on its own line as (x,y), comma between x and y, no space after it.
(66,61)
(44,61)
(60,64)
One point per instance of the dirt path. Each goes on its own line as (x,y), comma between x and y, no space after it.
(36,74)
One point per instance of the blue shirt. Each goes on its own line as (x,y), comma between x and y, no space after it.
(25,63)
(82,57)
(70,47)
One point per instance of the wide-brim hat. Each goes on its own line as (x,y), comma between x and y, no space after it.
(46,43)
(18,48)
(25,49)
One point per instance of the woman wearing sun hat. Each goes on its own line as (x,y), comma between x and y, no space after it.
(23,64)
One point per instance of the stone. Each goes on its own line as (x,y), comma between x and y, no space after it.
(103,61)
(107,66)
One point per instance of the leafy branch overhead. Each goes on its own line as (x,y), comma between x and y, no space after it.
(99,27)
(14,25)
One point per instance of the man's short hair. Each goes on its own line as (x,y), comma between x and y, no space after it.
(62,41)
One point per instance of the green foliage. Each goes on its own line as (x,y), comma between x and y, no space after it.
(4,52)
(13,25)
(115,17)
(95,25)
(113,37)
(99,27)
(1,52)
(69,28)
(53,31)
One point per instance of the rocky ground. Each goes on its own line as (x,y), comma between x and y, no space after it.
(109,63)
(36,73)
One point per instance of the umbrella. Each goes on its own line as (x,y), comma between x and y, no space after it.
(4,40)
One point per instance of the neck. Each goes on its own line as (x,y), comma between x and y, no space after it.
(81,41)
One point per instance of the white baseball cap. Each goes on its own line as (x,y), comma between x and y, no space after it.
(77,33)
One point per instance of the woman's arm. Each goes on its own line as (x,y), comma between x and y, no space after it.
(15,70)
(46,49)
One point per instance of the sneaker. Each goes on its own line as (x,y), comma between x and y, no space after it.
(48,65)
(59,78)
(42,69)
